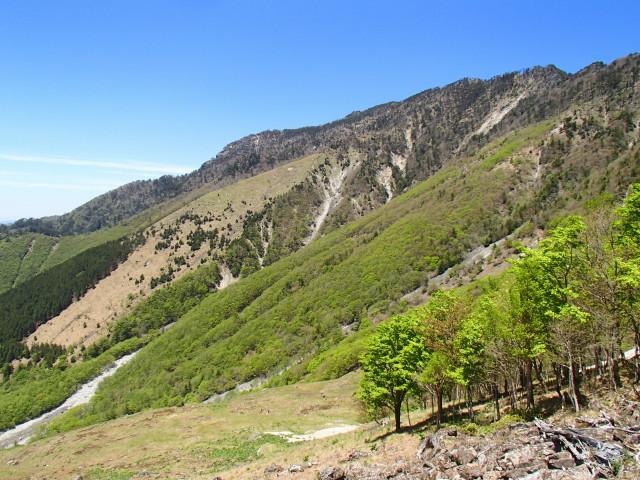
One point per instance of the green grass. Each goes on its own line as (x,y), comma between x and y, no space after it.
(196,441)
(238,449)
(72,245)
(108,474)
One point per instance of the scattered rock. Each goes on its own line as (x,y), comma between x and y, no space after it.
(273,468)
(12,462)
(332,473)
(526,451)
(463,455)
(561,460)
(296,469)
(355,455)
(470,472)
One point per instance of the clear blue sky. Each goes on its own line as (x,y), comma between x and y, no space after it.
(98,93)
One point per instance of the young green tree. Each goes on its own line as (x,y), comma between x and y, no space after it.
(604,290)
(470,346)
(627,227)
(544,306)
(394,356)
(442,318)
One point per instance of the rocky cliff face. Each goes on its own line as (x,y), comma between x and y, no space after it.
(399,143)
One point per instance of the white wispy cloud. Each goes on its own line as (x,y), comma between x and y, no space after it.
(57,186)
(155,168)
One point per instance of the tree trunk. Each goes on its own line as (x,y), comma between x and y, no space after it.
(397,408)
(439,416)
(528,366)
(558,373)
(538,369)
(613,368)
(573,384)
(513,392)
(496,401)
(636,359)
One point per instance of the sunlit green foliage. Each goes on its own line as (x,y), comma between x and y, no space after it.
(394,356)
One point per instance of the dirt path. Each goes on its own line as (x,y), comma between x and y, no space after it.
(317,435)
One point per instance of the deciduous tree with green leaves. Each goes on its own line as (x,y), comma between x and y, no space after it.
(442,318)
(395,355)
(544,310)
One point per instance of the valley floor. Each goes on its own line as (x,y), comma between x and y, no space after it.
(194,441)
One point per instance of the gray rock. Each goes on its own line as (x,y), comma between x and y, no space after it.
(355,455)
(471,472)
(463,455)
(332,473)
(561,460)
(273,468)
(296,469)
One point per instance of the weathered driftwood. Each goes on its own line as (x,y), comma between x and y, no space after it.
(584,447)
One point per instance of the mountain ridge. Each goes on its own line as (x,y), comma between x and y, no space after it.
(238,159)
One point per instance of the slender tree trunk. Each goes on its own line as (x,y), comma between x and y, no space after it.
(528,366)
(557,370)
(538,369)
(496,401)
(513,394)
(636,360)
(573,383)
(406,401)
(470,402)
(439,417)
(613,369)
